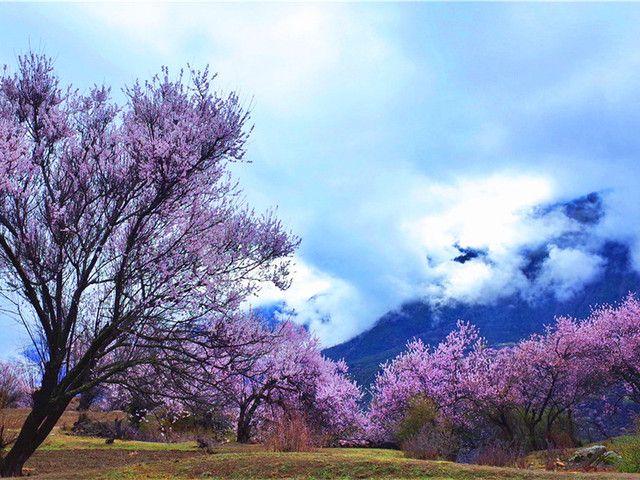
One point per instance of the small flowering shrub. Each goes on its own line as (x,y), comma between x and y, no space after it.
(14,392)
(14,385)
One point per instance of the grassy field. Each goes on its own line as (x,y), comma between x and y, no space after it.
(68,457)
(65,457)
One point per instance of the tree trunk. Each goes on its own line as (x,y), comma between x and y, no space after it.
(532,438)
(245,416)
(86,399)
(244,429)
(34,431)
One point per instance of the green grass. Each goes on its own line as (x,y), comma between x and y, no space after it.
(326,464)
(63,441)
(628,446)
(234,462)
(68,457)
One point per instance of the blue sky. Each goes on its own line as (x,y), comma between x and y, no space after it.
(386,133)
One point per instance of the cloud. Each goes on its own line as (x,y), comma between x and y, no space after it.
(494,215)
(467,241)
(283,56)
(326,304)
(484,213)
(395,138)
(567,270)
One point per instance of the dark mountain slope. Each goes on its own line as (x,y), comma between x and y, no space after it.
(507,320)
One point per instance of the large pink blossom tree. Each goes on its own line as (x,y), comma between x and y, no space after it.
(335,411)
(550,376)
(121,230)
(254,376)
(290,374)
(613,333)
(441,374)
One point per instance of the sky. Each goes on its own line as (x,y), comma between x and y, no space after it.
(388,135)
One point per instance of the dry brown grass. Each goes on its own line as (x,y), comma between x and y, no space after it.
(13,418)
(290,434)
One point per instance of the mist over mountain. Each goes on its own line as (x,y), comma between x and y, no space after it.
(508,318)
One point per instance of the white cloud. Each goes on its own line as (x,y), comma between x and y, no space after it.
(146,26)
(566,271)
(481,213)
(330,306)
(346,128)
(284,56)
(413,250)
(494,215)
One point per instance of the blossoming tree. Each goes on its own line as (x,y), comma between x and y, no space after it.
(519,394)
(121,229)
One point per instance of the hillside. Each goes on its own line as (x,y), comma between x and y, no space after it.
(506,320)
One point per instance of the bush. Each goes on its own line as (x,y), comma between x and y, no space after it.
(551,431)
(555,458)
(86,427)
(289,433)
(423,434)
(421,412)
(14,390)
(432,443)
(212,425)
(501,454)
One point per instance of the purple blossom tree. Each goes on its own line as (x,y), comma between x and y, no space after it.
(335,411)
(15,385)
(121,229)
(290,374)
(550,376)
(253,376)
(613,334)
(441,374)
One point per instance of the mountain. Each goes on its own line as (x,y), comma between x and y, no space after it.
(507,319)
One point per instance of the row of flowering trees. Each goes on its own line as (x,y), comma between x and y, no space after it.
(530,394)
